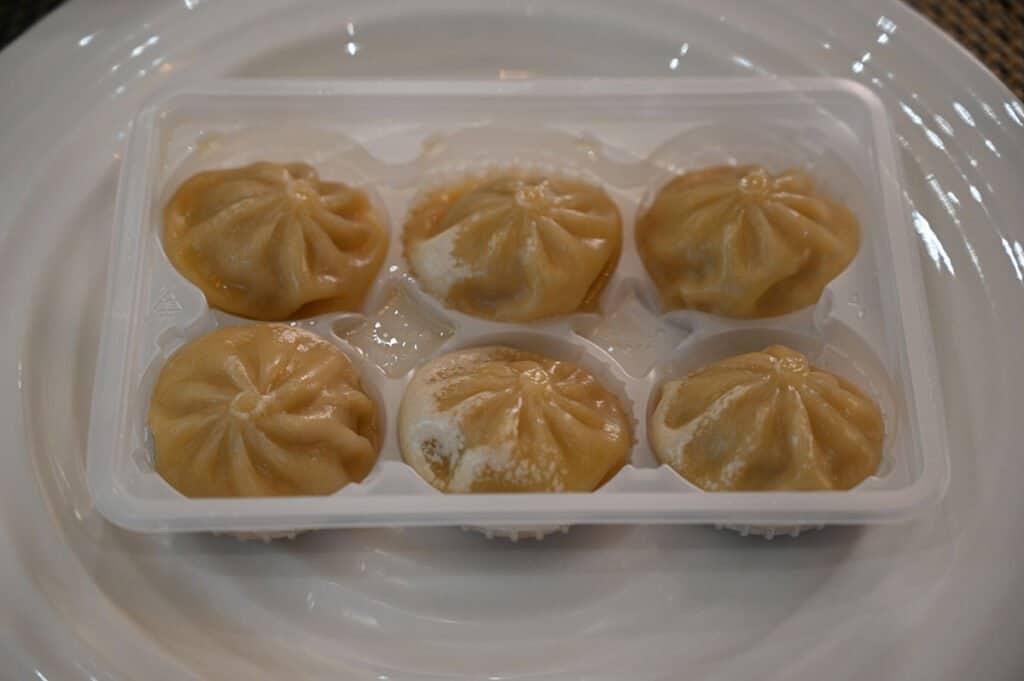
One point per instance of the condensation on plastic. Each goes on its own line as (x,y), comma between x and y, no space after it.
(396,138)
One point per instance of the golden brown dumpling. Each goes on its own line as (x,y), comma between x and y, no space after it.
(262,410)
(272,242)
(740,242)
(498,419)
(514,247)
(767,421)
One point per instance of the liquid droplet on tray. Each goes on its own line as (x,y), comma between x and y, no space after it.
(399,335)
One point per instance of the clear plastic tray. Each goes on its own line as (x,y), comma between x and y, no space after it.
(395,138)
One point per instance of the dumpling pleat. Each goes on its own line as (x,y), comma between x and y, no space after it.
(291,466)
(695,229)
(808,467)
(245,479)
(809,208)
(705,451)
(851,453)
(243,211)
(196,397)
(208,463)
(809,234)
(700,392)
(346,236)
(256,240)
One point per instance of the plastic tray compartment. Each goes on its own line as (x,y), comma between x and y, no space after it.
(395,138)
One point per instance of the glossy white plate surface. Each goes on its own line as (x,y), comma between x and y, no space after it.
(938,598)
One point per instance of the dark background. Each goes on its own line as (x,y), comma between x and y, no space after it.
(991,29)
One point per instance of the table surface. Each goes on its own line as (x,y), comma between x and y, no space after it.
(993,30)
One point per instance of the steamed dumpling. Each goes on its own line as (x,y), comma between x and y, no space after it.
(499,419)
(767,421)
(272,242)
(740,242)
(262,410)
(515,247)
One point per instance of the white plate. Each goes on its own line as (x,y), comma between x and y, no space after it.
(936,599)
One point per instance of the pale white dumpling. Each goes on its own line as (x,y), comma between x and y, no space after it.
(273,242)
(741,242)
(499,419)
(514,247)
(767,421)
(262,410)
